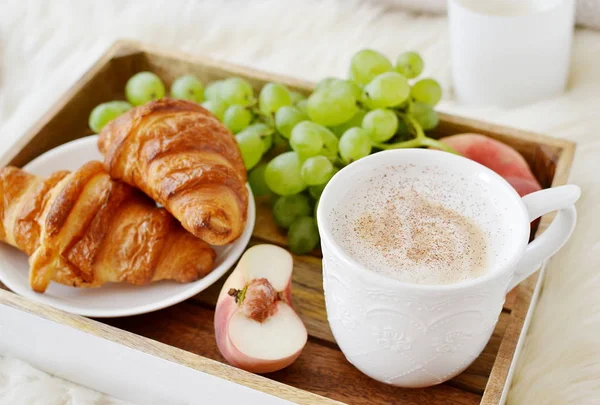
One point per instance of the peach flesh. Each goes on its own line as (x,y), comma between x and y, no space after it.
(255,325)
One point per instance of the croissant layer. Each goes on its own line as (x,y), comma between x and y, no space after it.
(181,156)
(84,229)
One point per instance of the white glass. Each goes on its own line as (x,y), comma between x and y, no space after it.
(509,53)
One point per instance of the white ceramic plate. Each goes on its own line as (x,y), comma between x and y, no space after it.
(110,300)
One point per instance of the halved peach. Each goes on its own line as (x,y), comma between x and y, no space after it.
(255,325)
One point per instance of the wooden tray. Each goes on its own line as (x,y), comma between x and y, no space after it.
(321,374)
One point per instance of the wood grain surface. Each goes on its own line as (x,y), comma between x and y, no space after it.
(322,368)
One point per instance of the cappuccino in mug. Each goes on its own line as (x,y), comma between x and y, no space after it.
(419,225)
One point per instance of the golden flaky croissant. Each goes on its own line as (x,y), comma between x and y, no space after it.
(84,229)
(185,159)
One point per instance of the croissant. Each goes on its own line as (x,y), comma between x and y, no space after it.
(84,229)
(180,155)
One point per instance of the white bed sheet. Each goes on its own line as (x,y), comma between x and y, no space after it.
(46,46)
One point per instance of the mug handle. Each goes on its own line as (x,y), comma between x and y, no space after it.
(561,199)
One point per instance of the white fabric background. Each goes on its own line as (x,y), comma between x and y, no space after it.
(22,384)
(587,15)
(46,46)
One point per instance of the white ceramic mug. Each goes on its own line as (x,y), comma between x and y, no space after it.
(415,335)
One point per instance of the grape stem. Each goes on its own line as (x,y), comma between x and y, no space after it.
(419,133)
(267,132)
(267,119)
(419,140)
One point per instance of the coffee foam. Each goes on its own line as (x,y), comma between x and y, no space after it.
(419,225)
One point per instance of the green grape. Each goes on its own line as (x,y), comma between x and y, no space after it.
(409,64)
(259,128)
(236,90)
(188,87)
(283,174)
(367,64)
(332,81)
(317,208)
(306,139)
(267,141)
(330,143)
(332,105)
(296,97)
(427,91)
(354,144)
(303,105)
(356,90)
(215,106)
(104,113)
(329,140)
(143,87)
(251,147)
(256,178)
(265,134)
(272,97)
(286,119)
(387,90)
(316,170)
(355,121)
(286,209)
(381,124)
(321,84)
(236,118)
(316,191)
(303,235)
(213,90)
(425,115)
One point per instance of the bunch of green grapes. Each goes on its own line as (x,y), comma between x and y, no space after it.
(285,152)
(293,144)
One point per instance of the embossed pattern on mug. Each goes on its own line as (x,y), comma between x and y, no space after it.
(408,338)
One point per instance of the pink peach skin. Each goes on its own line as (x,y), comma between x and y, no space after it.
(264,263)
(499,157)
(224,311)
